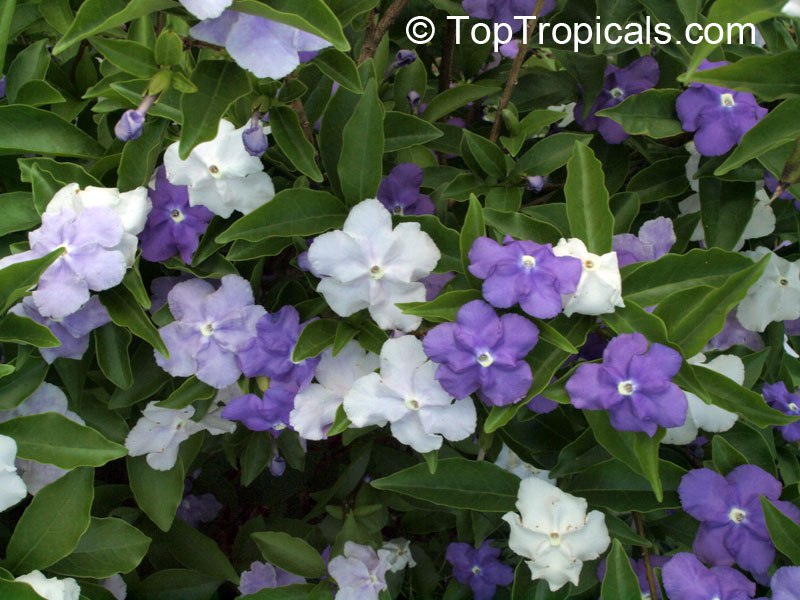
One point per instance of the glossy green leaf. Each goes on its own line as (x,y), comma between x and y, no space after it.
(158,493)
(341,68)
(126,312)
(17,386)
(662,180)
(315,337)
(588,211)
(288,134)
(131,57)
(785,533)
(770,77)
(22,330)
(199,552)
(190,391)
(111,347)
(443,308)
(474,227)
(406,131)
(726,209)
(620,582)
(454,98)
(483,156)
(361,163)
(651,113)
(725,456)
(550,154)
(169,584)
(521,226)
(25,129)
(290,553)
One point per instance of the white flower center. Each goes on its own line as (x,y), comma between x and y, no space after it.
(485,359)
(476,570)
(727,100)
(279,426)
(554,538)
(373,578)
(528,261)
(589,264)
(376,272)
(177,216)
(783,281)
(617,92)
(737,515)
(207,329)
(792,406)
(626,388)
(412,404)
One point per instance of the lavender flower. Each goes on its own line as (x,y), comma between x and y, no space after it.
(173,226)
(634,384)
(719,116)
(399,191)
(2,87)
(655,239)
(685,578)
(733,334)
(254,138)
(483,352)
(524,273)
(732,527)
(535,183)
(211,327)
(206,9)
(130,125)
(479,568)
(504,11)
(785,583)
(780,398)
(194,509)
(360,572)
(620,84)
(262,576)
(271,412)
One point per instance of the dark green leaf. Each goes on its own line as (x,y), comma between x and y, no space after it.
(785,533)
(126,312)
(620,582)
(315,337)
(454,98)
(651,113)
(25,129)
(111,346)
(22,330)
(406,131)
(289,136)
(474,227)
(339,67)
(443,308)
(361,163)
(131,57)
(290,553)
(590,217)
(190,391)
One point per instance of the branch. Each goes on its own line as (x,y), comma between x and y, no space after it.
(374,36)
(448,50)
(648,567)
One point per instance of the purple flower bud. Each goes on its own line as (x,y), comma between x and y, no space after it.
(255,142)
(130,126)
(535,183)
(278,466)
(2,87)
(404,58)
(413,98)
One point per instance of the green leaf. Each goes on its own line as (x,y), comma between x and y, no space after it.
(17,386)
(312,16)
(198,552)
(19,212)
(550,154)
(446,239)
(294,212)
(443,308)
(126,312)
(770,77)
(521,226)
(474,227)
(39,93)
(139,157)
(726,457)
(51,438)
(454,98)
(29,65)
(131,57)
(620,582)
(288,134)
(339,67)
(150,378)
(219,84)
(632,318)
(169,584)
(406,131)
(290,553)
(52,525)
(785,533)
(361,163)
(651,113)
(111,345)
(588,211)
(458,483)
(108,547)
(483,156)
(190,391)
(24,129)
(662,180)
(158,493)
(315,337)
(22,330)
(726,208)
(17,591)
(551,335)
(297,591)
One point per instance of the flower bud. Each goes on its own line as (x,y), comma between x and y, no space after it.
(404,58)
(130,126)
(255,142)
(2,87)
(413,98)
(535,183)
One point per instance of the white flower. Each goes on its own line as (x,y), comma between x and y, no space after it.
(407,395)
(600,287)
(792,8)
(116,585)
(12,487)
(206,9)
(554,532)
(46,398)
(360,573)
(160,431)
(221,174)
(399,554)
(315,407)
(692,166)
(569,113)
(369,265)
(51,588)
(508,460)
(707,416)
(775,296)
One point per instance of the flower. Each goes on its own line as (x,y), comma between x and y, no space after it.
(655,239)
(733,334)
(634,384)
(360,573)
(315,407)
(72,331)
(685,578)
(399,191)
(2,87)
(92,258)
(620,84)
(479,568)
(483,352)
(600,287)
(221,174)
(130,126)
(206,9)
(160,431)
(369,265)
(265,48)
(263,575)
(792,8)
(524,273)
(719,116)
(407,395)
(435,283)
(508,460)
(116,586)
(504,11)
(775,296)
(780,398)
(51,588)
(400,554)
(173,226)
(254,138)
(554,532)
(707,416)
(211,327)
(270,412)
(785,582)
(12,487)
(640,569)
(732,527)
(195,509)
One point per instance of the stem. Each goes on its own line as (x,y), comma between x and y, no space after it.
(6,15)
(374,36)
(648,567)
(308,132)
(448,50)
(513,75)
(73,72)
(778,192)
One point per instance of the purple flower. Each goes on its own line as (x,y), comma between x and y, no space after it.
(399,191)
(479,568)
(791,328)
(640,569)
(719,116)
(524,273)
(265,48)
(685,578)
(483,352)
(264,575)
(732,527)
(620,84)
(535,183)
(404,58)
(173,226)
(194,509)
(211,327)
(733,334)
(434,284)
(541,405)
(268,413)
(780,398)
(785,584)
(655,239)
(771,183)
(2,87)
(72,331)
(130,126)
(160,288)
(254,138)
(504,11)
(634,384)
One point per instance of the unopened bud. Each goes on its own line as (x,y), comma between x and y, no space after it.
(404,58)
(254,139)
(535,183)
(130,126)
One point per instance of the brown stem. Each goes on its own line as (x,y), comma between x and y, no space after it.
(375,35)
(778,192)
(76,61)
(448,51)
(513,75)
(648,567)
